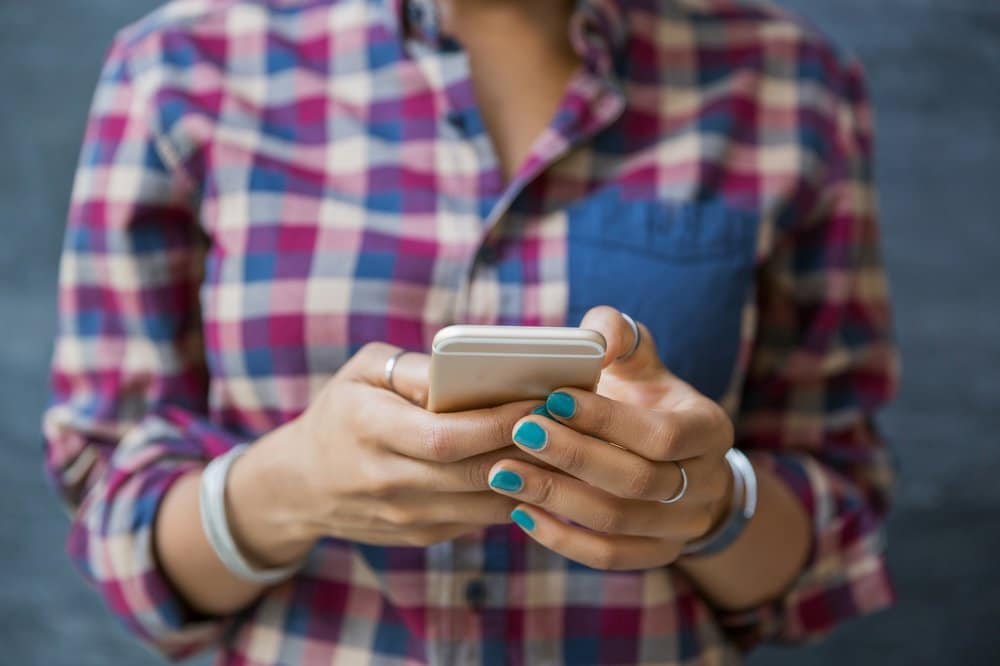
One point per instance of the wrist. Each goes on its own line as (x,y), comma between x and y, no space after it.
(743,505)
(265,503)
(723,505)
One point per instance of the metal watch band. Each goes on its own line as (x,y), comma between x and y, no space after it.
(742,509)
(212,507)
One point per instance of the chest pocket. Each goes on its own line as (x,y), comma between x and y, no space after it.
(684,269)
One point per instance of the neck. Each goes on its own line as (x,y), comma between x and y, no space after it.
(509,25)
(520,61)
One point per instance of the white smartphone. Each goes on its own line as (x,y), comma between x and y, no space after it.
(484,366)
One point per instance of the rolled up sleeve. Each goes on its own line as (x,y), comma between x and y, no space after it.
(823,364)
(129,385)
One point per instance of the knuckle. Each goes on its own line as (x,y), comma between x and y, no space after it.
(641,481)
(380,486)
(332,406)
(603,419)
(378,489)
(420,396)
(662,439)
(545,490)
(477,475)
(499,425)
(611,520)
(572,459)
(437,441)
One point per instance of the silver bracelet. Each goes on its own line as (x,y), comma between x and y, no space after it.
(741,509)
(212,506)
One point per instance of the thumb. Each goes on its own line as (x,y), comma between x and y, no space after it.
(620,338)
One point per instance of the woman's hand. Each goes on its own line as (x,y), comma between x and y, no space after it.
(370,465)
(617,452)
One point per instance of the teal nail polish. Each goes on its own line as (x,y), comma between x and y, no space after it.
(531,435)
(523,520)
(561,404)
(507,480)
(541,411)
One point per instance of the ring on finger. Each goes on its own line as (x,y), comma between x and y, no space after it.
(636,334)
(390,367)
(676,497)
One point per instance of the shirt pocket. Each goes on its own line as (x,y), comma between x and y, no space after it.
(685,269)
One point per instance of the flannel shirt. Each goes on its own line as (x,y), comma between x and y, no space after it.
(266,186)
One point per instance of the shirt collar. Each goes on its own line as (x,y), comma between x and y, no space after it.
(598,29)
(598,32)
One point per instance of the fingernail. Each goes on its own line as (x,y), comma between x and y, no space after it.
(507,480)
(541,411)
(561,404)
(523,520)
(531,435)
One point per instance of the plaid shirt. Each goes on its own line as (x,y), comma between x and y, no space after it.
(265,187)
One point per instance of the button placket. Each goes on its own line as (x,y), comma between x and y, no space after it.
(469,560)
(441,586)
(476,594)
(489,253)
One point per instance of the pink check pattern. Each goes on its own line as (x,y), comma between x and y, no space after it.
(265,186)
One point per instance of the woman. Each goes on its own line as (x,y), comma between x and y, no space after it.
(276,198)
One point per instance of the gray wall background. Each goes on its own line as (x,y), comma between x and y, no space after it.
(934,71)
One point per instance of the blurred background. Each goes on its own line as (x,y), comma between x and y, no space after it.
(934,73)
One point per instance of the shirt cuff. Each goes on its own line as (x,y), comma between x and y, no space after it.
(111,542)
(845,575)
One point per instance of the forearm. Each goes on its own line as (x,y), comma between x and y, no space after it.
(764,560)
(252,498)
(188,560)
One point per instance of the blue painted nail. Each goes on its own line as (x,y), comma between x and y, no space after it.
(531,435)
(561,404)
(541,411)
(507,480)
(523,520)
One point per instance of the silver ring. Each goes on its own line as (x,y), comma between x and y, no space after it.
(684,486)
(635,337)
(390,367)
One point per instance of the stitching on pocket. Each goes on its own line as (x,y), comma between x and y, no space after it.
(678,231)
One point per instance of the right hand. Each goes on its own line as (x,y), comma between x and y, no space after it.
(370,465)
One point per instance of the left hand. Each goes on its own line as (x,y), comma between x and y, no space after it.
(615,453)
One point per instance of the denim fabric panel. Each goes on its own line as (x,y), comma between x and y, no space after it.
(685,269)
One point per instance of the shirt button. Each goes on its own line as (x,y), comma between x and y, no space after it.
(476,593)
(489,254)
(457,120)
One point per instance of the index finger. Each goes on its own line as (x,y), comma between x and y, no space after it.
(401,427)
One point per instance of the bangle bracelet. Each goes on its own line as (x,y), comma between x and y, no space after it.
(212,507)
(741,509)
